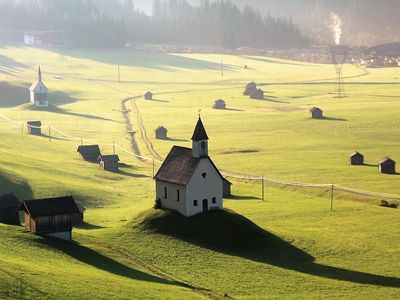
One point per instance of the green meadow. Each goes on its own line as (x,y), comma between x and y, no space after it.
(288,246)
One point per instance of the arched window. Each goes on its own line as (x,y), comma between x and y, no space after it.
(203,147)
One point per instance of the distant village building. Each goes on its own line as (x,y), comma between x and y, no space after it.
(9,209)
(387,166)
(219,104)
(161,132)
(38,92)
(227,188)
(258,95)
(188,181)
(109,162)
(51,217)
(29,39)
(356,159)
(148,96)
(316,113)
(89,152)
(34,127)
(251,88)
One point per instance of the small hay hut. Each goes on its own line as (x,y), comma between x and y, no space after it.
(356,159)
(226,186)
(250,88)
(148,96)
(258,95)
(387,165)
(89,152)
(219,104)
(316,113)
(161,132)
(9,209)
(109,162)
(34,127)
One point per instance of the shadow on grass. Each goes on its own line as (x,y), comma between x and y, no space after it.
(121,172)
(87,226)
(271,99)
(159,100)
(233,234)
(333,119)
(99,261)
(174,140)
(10,183)
(233,109)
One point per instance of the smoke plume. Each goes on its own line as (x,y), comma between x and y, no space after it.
(336,27)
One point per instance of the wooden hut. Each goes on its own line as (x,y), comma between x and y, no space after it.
(387,166)
(219,104)
(226,187)
(109,162)
(356,159)
(258,95)
(89,152)
(9,209)
(316,113)
(51,217)
(34,127)
(250,88)
(78,218)
(148,96)
(161,132)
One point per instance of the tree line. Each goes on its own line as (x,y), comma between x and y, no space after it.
(106,23)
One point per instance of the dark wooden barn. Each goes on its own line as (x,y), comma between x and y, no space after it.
(9,209)
(52,216)
(316,113)
(226,185)
(387,165)
(219,104)
(148,96)
(109,162)
(34,127)
(258,95)
(250,88)
(89,152)
(356,159)
(78,218)
(161,132)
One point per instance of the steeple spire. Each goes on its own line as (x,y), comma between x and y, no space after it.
(40,74)
(199,133)
(200,140)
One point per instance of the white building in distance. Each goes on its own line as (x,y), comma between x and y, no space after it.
(38,92)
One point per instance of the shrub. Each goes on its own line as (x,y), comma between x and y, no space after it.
(157,204)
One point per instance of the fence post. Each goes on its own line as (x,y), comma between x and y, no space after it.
(49,133)
(331,197)
(22,128)
(262,182)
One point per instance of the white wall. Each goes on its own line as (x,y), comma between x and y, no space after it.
(171,201)
(200,188)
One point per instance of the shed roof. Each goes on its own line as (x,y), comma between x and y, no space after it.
(385,159)
(219,101)
(179,166)
(356,153)
(148,93)
(50,206)
(315,109)
(199,133)
(251,85)
(109,158)
(8,201)
(34,123)
(161,128)
(89,150)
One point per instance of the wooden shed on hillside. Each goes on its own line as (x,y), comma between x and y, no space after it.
(316,113)
(161,132)
(109,162)
(89,152)
(250,88)
(219,104)
(34,127)
(258,95)
(148,96)
(51,217)
(9,209)
(356,159)
(387,165)
(226,186)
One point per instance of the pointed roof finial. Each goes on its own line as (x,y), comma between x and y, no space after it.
(199,133)
(40,74)
(199,113)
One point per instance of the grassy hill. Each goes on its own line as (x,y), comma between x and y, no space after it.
(289,246)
